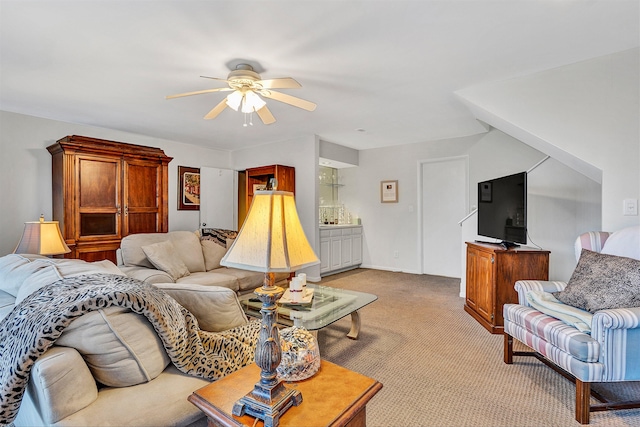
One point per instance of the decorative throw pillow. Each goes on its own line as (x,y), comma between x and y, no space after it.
(164,257)
(213,253)
(602,281)
(120,347)
(625,242)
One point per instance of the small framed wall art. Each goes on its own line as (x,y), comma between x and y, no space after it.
(389,191)
(188,188)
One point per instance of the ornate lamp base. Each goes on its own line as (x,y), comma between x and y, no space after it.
(267,404)
(269,398)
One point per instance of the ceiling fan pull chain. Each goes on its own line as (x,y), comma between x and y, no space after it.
(250,123)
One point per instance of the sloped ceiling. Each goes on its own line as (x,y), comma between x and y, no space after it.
(382,72)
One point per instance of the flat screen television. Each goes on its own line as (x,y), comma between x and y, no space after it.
(502,209)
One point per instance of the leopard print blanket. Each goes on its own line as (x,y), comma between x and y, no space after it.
(34,325)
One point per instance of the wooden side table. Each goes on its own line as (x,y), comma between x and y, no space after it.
(334,396)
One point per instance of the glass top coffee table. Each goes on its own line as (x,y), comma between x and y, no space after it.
(327,306)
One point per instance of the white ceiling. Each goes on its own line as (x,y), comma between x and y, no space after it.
(388,67)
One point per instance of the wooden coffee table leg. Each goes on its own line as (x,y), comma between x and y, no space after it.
(355,326)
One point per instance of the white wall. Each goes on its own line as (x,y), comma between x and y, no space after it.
(586,115)
(561,205)
(301,153)
(562,202)
(390,227)
(25,168)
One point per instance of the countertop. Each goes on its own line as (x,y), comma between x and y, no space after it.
(339,225)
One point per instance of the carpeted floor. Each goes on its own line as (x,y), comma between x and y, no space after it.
(439,367)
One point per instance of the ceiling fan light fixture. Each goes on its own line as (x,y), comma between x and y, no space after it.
(252,102)
(246,92)
(234,99)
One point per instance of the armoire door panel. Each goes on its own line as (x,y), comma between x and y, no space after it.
(98,195)
(98,181)
(142,223)
(98,224)
(142,182)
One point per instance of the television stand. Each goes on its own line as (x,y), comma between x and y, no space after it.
(490,275)
(504,244)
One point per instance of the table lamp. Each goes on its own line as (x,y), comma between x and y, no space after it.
(42,238)
(271,240)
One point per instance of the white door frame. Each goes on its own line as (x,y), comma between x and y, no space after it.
(421,164)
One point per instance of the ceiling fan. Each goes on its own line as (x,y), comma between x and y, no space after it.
(246,86)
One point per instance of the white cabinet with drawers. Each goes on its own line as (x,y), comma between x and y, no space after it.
(340,248)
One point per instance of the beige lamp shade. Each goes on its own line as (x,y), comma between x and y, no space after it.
(42,238)
(272,238)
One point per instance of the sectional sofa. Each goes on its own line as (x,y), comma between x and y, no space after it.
(186,257)
(109,366)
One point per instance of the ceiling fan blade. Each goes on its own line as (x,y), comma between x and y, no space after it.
(198,92)
(265,115)
(288,99)
(282,83)
(214,78)
(216,110)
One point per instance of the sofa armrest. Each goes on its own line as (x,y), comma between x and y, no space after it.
(147,275)
(216,308)
(617,318)
(61,384)
(618,332)
(524,286)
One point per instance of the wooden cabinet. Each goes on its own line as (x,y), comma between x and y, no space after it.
(491,275)
(258,178)
(340,248)
(105,190)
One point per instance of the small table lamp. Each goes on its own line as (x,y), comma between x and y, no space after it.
(271,240)
(42,238)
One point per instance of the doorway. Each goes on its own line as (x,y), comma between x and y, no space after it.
(444,199)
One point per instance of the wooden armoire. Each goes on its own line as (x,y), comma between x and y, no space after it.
(105,190)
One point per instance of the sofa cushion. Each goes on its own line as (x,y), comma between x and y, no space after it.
(216,308)
(7,302)
(625,242)
(213,253)
(211,278)
(542,328)
(37,280)
(78,267)
(186,243)
(164,257)
(602,281)
(55,269)
(247,280)
(14,270)
(161,402)
(61,384)
(120,347)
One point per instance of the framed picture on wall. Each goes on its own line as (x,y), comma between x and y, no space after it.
(188,188)
(389,191)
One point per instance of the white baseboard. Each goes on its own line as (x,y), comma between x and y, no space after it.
(393,269)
